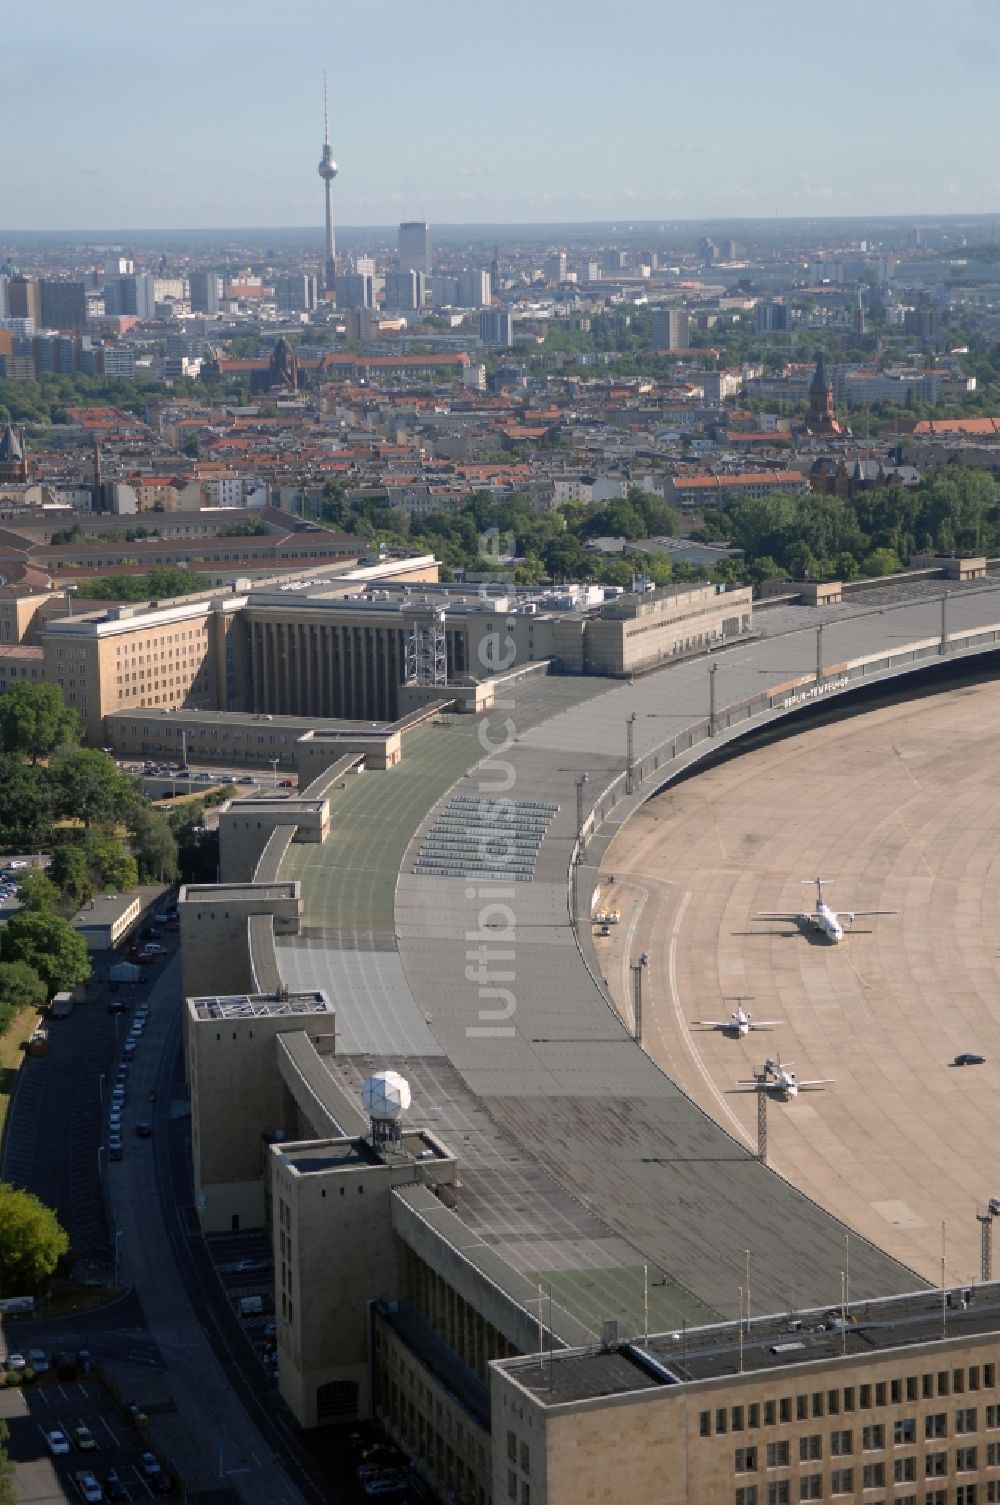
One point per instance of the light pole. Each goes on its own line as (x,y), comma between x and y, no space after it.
(274,770)
(100,1088)
(630,754)
(70,591)
(117,1242)
(819,651)
(184,748)
(713,671)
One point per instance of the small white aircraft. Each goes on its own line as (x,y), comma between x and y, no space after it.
(783,1082)
(739,1023)
(833,923)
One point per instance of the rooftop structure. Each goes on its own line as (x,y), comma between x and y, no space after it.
(260,1006)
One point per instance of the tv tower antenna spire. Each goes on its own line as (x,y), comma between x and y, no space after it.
(327,170)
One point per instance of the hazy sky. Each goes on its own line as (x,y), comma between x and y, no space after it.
(209,112)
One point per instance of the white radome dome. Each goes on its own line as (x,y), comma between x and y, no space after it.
(385,1096)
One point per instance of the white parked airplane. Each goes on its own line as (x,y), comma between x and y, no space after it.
(784,1083)
(740,1022)
(833,923)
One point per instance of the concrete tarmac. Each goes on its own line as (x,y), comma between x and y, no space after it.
(898,809)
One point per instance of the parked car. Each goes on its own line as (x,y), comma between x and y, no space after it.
(58,1442)
(85,1439)
(88,1486)
(969,1058)
(114,1488)
(38,1360)
(150,1465)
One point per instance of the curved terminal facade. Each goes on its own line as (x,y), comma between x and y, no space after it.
(559,1239)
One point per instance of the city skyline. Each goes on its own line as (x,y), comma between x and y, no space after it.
(767,113)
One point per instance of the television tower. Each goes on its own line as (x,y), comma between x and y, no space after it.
(327,170)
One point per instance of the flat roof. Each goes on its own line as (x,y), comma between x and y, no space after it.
(314,1157)
(224,719)
(769,1344)
(563,1106)
(259,1005)
(105,909)
(218,893)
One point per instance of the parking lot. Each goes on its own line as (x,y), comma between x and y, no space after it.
(245,1268)
(37,1411)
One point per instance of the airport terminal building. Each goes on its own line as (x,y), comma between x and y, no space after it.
(537,1276)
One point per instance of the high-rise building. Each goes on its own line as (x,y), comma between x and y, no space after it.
(63,305)
(405,289)
(496,327)
(23,299)
(4,305)
(669,329)
(358,325)
(555,267)
(414,246)
(355,290)
(295,294)
(773,318)
(328,170)
(134,294)
(204,292)
(474,289)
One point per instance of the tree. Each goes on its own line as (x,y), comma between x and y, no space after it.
(106,857)
(90,788)
(20,986)
(881,562)
(154,845)
(32,1241)
(35,720)
(50,945)
(25,802)
(70,873)
(37,892)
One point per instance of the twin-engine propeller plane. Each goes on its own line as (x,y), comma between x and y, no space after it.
(832,923)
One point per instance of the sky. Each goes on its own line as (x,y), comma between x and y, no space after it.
(208,113)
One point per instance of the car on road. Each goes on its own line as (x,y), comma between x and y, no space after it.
(128,1053)
(144,1130)
(116,1150)
(154,948)
(969,1058)
(287,784)
(247,778)
(38,1360)
(84,1438)
(58,1442)
(254,1264)
(115,1122)
(85,1359)
(162,1484)
(114,1489)
(16,1361)
(150,1465)
(87,1484)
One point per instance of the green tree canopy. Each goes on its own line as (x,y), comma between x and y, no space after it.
(89,786)
(107,857)
(37,891)
(50,945)
(70,873)
(20,986)
(35,720)
(154,845)
(25,801)
(32,1241)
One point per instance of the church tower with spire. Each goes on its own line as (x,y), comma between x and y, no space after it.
(822,417)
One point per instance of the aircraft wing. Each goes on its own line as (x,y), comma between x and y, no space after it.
(776,915)
(765,1023)
(715,1023)
(859,914)
(819,1082)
